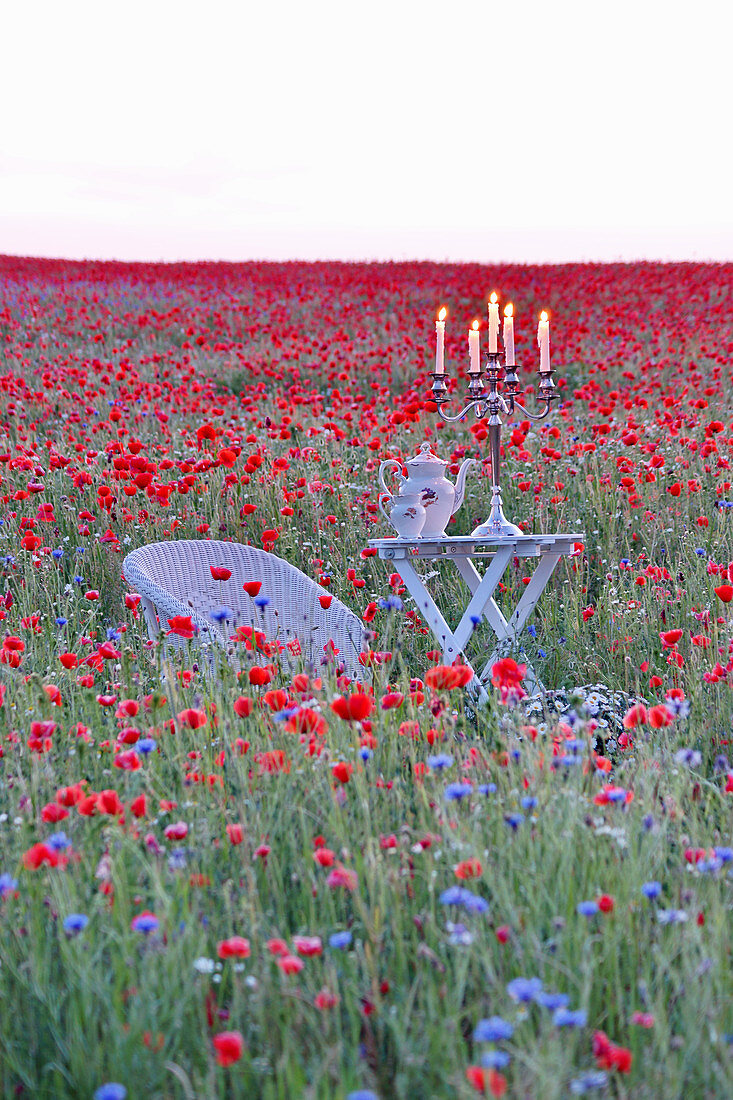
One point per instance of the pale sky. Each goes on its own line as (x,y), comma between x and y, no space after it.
(385,130)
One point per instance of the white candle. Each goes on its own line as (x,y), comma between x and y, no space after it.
(440,341)
(543,339)
(474,349)
(508,334)
(493,322)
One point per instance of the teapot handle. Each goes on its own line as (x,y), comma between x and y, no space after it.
(383,466)
(384,498)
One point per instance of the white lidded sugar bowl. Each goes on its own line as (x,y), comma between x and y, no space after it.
(426,479)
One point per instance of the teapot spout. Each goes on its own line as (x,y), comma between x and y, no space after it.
(461,483)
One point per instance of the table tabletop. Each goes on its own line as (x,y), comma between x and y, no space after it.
(472,546)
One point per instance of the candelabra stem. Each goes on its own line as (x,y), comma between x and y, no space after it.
(497,525)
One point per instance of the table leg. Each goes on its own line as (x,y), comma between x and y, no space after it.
(491,611)
(441,631)
(521,613)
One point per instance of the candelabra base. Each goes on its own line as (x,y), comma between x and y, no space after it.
(497,526)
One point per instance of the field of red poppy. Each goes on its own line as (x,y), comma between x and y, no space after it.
(278,882)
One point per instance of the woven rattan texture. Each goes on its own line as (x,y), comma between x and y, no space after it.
(175,578)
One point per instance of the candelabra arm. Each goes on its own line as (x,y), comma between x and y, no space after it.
(533,416)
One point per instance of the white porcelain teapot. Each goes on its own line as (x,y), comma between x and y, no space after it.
(426,478)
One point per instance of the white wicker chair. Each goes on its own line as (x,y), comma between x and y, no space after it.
(175,578)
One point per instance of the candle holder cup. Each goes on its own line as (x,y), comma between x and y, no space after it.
(489,395)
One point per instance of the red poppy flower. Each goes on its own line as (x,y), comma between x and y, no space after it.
(252,588)
(182,626)
(220,572)
(468,868)
(229,1047)
(192,718)
(243,706)
(236,947)
(353,708)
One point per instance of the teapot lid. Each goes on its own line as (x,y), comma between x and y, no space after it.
(425,458)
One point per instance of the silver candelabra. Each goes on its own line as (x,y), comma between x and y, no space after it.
(490,396)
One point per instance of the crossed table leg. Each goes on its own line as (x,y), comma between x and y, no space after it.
(482,605)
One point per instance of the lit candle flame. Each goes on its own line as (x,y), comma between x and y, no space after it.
(494,297)
(543,315)
(475,326)
(509,310)
(443,314)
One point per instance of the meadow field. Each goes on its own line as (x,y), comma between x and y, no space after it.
(278,883)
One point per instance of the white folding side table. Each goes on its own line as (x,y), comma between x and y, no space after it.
(462,550)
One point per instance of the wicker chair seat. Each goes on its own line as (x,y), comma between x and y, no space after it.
(174,578)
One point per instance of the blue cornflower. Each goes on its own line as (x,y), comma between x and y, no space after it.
(495,1059)
(532,630)
(146,745)
(441,760)
(552,1001)
(568,761)
(625,562)
(61,621)
(524,989)
(541,653)
(487,788)
(529,802)
(7,884)
(454,792)
(362,1094)
(262,601)
(459,935)
(708,866)
(392,603)
(513,820)
(460,896)
(648,822)
(178,859)
(57,554)
(58,841)
(365,752)
(568,1017)
(145,923)
(725,855)
(492,1030)
(78,579)
(474,903)
(691,757)
(651,889)
(340,940)
(219,614)
(594,1079)
(587,908)
(452,896)
(616,794)
(284,715)
(113,635)
(699,551)
(110,1091)
(671,916)
(75,922)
